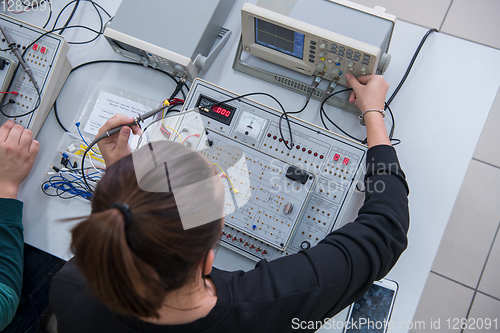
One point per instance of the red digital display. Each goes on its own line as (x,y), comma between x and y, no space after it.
(336,157)
(216,110)
(43,49)
(35,47)
(221,111)
(345,161)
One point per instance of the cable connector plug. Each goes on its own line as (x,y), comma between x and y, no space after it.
(331,88)
(329,91)
(316,82)
(313,86)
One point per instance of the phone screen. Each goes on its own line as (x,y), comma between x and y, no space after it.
(370,313)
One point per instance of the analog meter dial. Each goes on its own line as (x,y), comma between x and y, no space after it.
(251,125)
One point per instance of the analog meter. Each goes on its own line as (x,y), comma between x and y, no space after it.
(251,125)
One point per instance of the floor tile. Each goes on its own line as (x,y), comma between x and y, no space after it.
(472,226)
(441,299)
(484,310)
(490,283)
(487,148)
(475,20)
(428,13)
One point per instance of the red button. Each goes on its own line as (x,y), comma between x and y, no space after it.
(268,135)
(315,154)
(336,157)
(281,139)
(275,137)
(286,141)
(321,156)
(298,147)
(345,161)
(310,151)
(303,149)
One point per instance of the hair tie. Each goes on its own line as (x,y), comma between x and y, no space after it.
(125,211)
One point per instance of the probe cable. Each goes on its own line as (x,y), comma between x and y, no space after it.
(113,131)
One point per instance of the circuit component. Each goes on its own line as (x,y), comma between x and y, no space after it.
(297,174)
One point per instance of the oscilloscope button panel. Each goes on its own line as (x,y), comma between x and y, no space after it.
(333,162)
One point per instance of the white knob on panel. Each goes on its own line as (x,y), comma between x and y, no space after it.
(321,66)
(337,60)
(335,72)
(322,45)
(322,54)
(363,70)
(350,65)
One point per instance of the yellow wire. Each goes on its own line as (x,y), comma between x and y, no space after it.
(92,155)
(164,125)
(234,189)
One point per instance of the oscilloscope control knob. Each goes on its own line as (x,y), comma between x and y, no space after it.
(335,72)
(350,65)
(363,70)
(320,66)
(322,54)
(322,46)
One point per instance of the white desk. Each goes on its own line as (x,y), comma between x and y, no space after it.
(439,112)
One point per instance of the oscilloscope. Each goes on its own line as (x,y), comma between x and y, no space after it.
(340,37)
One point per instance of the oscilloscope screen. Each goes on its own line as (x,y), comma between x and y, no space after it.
(278,38)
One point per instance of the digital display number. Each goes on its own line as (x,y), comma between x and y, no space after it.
(223,113)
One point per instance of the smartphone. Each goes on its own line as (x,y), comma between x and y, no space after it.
(372,312)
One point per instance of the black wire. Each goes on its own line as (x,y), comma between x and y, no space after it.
(285,115)
(405,76)
(323,112)
(393,126)
(77,2)
(50,15)
(178,88)
(59,120)
(96,6)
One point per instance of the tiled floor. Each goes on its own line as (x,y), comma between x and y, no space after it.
(465,278)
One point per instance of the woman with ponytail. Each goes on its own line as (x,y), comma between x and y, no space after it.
(136,269)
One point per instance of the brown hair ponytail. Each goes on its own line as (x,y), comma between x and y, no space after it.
(132,269)
(122,280)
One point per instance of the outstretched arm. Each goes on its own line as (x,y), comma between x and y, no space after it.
(17,155)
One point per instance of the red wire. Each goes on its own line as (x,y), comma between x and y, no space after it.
(9,92)
(176,101)
(196,135)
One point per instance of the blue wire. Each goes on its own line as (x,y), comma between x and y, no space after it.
(66,185)
(83,139)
